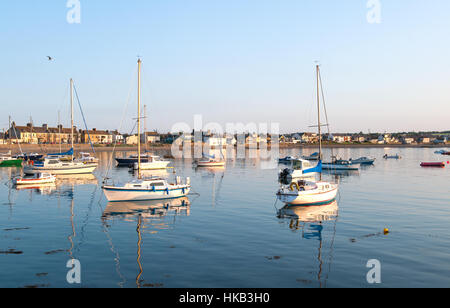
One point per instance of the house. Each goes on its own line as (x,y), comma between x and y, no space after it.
(117,138)
(132,140)
(407,140)
(152,137)
(339,138)
(31,134)
(359,139)
(305,138)
(96,136)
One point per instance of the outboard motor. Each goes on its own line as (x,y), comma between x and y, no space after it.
(285,177)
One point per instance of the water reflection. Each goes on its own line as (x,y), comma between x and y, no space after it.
(42,189)
(76,180)
(310,222)
(149,216)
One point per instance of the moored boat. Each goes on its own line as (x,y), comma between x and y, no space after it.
(362,161)
(305,193)
(147,189)
(386,156)
(209,162)
(433,164)
(29,157)
(287,160)
(310,193)
(62,163)
(56,166)
(40,178)
(314,156)
(152,163)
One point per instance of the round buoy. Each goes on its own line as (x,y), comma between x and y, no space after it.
(386,231)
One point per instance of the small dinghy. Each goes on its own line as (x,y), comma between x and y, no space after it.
(40,178)
(392,156)
(436,165)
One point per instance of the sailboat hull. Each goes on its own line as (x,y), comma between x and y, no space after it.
(82,169)
(115,194)
(158,165)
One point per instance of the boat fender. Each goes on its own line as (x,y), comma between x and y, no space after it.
(153,188)
(294,186)
(184,191)
(167,191)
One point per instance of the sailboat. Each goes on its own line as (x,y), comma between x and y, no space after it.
(310,193)
(210,161)
(53,163)
(154,188)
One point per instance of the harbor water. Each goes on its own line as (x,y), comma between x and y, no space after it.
(230,232)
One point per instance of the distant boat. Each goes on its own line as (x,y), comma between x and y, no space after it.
(29,157)
(362,161)
(314,156)
(438,165)
(340,164)
(287,160)
(131,160)
(209,162)
(392,156)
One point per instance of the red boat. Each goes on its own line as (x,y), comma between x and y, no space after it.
(440,165)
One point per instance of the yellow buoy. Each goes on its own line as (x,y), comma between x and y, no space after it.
(386,231)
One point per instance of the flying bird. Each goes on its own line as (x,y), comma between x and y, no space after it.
(50,58)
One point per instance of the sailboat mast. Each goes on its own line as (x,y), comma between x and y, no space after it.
(139,118)
(318,113)
(145,128)
(71,113)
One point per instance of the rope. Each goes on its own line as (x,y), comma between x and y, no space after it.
(84,119)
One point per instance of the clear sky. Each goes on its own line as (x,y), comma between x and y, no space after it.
(229,60)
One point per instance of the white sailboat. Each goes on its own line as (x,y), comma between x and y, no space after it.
(153,163)
(146,189)
(310,193)
(54,165)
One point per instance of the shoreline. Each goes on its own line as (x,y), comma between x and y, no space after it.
(45,149)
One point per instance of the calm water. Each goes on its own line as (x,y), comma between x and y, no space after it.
(230,234)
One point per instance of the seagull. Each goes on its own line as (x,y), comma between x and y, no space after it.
(50,58)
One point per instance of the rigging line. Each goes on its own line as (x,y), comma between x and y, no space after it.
(330,257)
(109,167)
(325,110)
(86,219)
(115,252)
(84,119)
